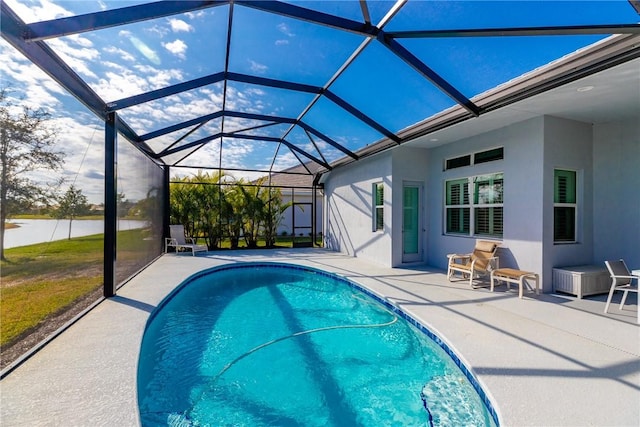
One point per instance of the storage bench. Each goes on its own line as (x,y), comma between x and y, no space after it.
(581,280)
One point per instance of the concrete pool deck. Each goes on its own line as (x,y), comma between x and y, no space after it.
(547,360)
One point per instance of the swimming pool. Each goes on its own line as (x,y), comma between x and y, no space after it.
(252,344)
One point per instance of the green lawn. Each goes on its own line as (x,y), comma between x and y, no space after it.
(40,280)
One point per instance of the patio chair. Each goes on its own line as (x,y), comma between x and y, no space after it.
(476,264)
(180,241)
(621,280)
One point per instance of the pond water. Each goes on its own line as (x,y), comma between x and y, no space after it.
(31,231)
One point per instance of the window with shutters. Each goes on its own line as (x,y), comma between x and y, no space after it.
(458,209)
(474,205)
(378,206)
(564,206)
(487,201)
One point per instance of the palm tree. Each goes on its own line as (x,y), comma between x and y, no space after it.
(209,199)
(273,215)
(208,208)
(233,211)
(253,212)
(183,200)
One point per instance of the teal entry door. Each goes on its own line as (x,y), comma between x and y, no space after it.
(411,224)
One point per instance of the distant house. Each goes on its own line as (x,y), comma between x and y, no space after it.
(552,173)
(296,184)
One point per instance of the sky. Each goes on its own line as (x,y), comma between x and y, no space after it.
(132,59)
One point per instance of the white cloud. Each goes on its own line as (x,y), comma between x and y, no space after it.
(177,47)
(213,96)
(255,91)
(115,66)
(122,82)
(198,14)
(196,108)
(282,42)
(118,85)
(164,78)
(235,151)
(78,58)
(257,67)
(284,29)
(83,53)
(286,160)
(123,54)
(173,109)
(140,123)
(178,25)
(83,156)
(43,10)
(39,96)
(212,127)
(157,30)
(53,86)
(161,142)
(20,75)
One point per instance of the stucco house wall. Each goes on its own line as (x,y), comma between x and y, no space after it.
(521,244)
(605,158)
(568,145)
(348,210)
(616,192)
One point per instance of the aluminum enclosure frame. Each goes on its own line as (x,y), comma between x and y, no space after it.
(29,39)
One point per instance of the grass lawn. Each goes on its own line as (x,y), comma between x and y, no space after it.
(40,280)
(43,279)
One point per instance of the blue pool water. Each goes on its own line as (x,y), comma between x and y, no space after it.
(272,344)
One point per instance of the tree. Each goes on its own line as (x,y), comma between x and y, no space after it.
(209,202)
(209,208)
(124,205)
(253,214)
(262,212)
(150,209)
(72,205)
(233,211)
(184,204)
(26,145)
(274,214)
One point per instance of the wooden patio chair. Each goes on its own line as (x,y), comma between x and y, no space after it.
(477,264)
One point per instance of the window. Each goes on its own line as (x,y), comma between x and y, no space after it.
(488,156)
(378,206)
(487,200)
(457,206)
(458,162)
(484,210)
(475,158)
(564,206)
